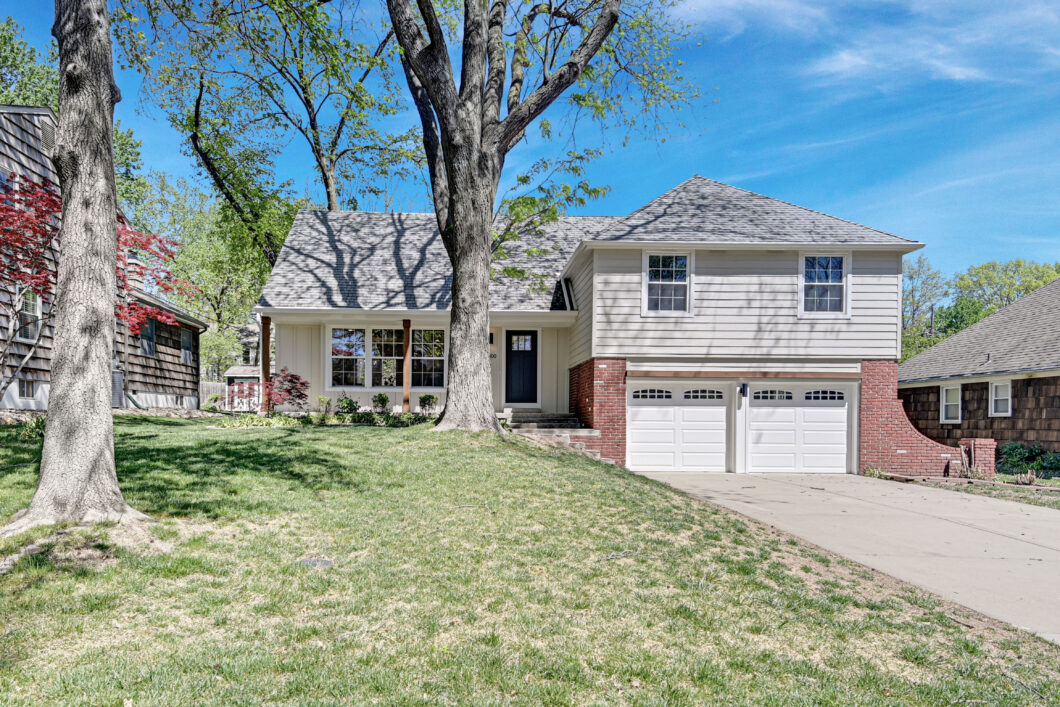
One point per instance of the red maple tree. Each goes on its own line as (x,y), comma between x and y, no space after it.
(29,247)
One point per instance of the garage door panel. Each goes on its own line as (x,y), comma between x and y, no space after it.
(772,415)
(773,437)
(825,462)
(825,437)
(652,414)
(652,436)
(712,416)
(651,460)
(706,462)
(814,415)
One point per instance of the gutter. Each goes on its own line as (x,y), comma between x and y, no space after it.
(973,377)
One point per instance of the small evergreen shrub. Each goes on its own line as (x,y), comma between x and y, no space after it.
(380,401)
(428,403)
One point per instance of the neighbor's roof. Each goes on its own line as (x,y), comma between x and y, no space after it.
(1024,336)
(181,315)
(397,261)
(701,210)
(243,372)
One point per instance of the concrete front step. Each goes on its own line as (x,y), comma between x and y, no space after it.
(546,425)
(558,438)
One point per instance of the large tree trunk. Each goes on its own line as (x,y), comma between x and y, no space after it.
(469,394)
(77,478)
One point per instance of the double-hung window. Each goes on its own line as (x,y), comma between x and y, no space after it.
(388,352)
(428,358)
(147,338)
(1001,399)
(667,283)
(950,407)
(27,389)
(823,290)
(29,317)
(186,344)
(347,358)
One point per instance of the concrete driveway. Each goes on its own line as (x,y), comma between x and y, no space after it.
(1000,558)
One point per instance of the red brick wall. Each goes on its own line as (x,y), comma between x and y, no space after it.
(598,398)
(981,453)
(888,440)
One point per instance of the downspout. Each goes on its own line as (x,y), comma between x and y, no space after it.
(132,400)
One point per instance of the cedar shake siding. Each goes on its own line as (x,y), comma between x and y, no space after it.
(1035,413)
(165,373)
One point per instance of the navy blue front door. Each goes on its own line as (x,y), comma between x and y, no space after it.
(520,366)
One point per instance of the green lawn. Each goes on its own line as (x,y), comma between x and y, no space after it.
(1036,495)
(466,569)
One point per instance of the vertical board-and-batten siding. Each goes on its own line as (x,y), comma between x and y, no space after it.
(22,152)
(746,305)
(581,333)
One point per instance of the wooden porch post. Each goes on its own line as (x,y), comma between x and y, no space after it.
(406,376)
(266,364)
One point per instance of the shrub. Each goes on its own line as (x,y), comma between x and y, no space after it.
(1020,459)
(273,420)
(210,408)
(325,404)
(34,429)
(428,403)
(215,399)
(380,401)
(347,406)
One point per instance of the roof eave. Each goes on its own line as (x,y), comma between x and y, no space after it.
(980,374)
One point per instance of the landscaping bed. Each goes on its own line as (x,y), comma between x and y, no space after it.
(360,564)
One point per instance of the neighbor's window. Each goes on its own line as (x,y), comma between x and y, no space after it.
(1001,399)
(823,288)
(27,389)
(347,358)
(951,403)
(147,338)
(667,283)
(388,350)
(29,317)
(186,341)
(428,358)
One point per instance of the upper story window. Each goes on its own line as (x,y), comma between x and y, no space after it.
(29,317)
(667,283)
(824,282)
(187,340)
(1001,399)
(147,339)
(950,408)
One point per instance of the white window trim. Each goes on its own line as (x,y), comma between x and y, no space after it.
(20,334)
(690,301)
(942,404)
(993,387)
(367,328)
(847,266)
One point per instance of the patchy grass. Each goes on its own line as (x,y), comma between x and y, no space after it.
(364,564)
(1036,495)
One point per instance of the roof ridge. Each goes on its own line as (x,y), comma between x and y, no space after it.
(633,213)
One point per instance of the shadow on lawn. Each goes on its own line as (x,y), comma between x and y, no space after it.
(238,474)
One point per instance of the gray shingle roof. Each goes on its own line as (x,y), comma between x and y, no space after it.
(704,211)
(1024,336)
(397,261)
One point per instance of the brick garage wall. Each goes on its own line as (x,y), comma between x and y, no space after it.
(888,440)
(1035,413)
(598,398)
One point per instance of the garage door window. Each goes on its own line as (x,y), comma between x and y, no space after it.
(772,395)
(651,394)
(824,395)
(702,394)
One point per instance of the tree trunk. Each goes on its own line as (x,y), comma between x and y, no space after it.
(77,477)
(467,236)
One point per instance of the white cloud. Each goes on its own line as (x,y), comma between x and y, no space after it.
(735,16)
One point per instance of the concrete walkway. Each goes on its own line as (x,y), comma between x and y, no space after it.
(1000,558)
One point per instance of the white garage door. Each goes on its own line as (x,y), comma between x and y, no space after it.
(798,428)
(676,427)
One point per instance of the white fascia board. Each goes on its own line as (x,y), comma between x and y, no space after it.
(316,314)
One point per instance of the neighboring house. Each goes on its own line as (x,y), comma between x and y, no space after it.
(160,367)
(998,378)
(713,329)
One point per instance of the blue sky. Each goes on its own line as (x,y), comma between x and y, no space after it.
(938,121)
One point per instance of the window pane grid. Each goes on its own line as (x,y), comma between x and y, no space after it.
(667,283)
(703,395)
(388,352)
(428,358)
(823,288)
(825,395)
(347,358)
(772,395)
(652,394)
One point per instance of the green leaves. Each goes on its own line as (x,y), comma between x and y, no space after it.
(26,77)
